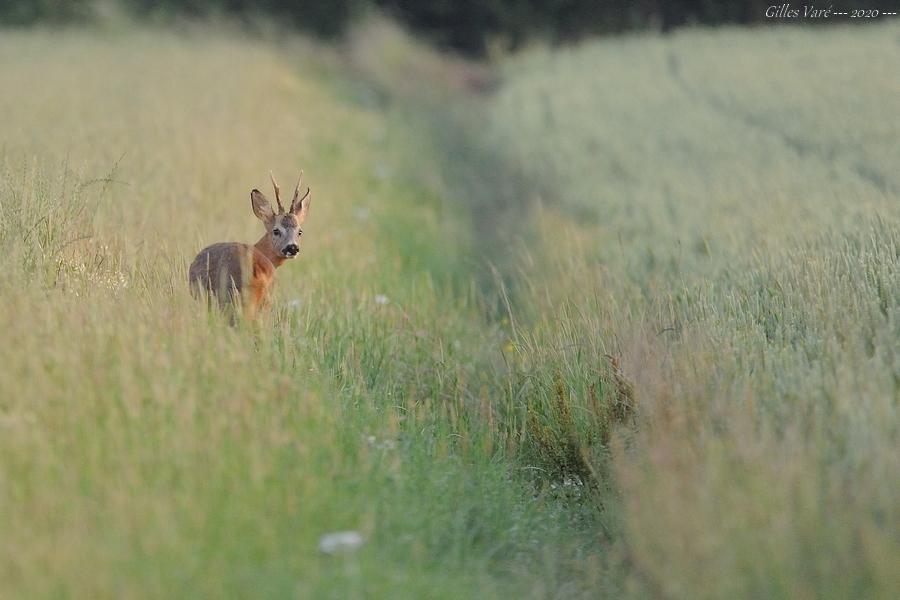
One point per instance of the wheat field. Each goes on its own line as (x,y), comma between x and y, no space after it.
(627,325)
(722,208)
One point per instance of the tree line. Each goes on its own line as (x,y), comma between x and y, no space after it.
(470,26)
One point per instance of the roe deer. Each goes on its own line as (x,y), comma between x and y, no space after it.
(236,273)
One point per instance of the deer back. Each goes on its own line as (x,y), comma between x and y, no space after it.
(230,270)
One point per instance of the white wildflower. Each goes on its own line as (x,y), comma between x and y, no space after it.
(340,541)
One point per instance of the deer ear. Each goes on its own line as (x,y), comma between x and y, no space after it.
(301,206)
(261,207)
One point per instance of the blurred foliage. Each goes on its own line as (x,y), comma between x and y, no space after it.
(22,12)
(471,26)
(324,18)
(474,25)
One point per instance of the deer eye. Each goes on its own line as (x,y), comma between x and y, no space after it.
(276,232)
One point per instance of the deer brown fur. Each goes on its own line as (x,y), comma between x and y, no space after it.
(237,274)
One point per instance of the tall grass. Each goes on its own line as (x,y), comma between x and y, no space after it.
(615,327)
(710,210)
(150,450)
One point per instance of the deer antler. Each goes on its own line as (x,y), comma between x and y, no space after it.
(297,188)
(277,192)
(297,193)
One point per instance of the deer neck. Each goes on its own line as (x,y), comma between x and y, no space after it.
(264,245)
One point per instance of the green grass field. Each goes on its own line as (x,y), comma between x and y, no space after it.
(627,325)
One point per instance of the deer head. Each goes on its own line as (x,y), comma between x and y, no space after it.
(283,227)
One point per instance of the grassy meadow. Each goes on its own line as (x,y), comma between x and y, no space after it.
(621,321)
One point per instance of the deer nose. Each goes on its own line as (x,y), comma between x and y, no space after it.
(291,250)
